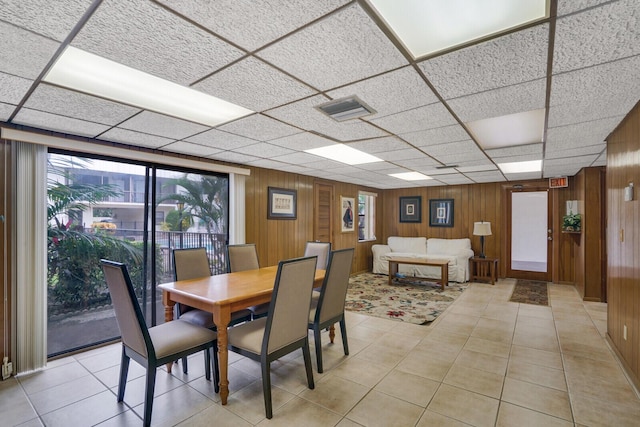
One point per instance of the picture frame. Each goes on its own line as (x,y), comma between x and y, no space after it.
(441,212)
(347,215)
(411,209)
(282,203)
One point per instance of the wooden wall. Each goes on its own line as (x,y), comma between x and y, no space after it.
(623,242)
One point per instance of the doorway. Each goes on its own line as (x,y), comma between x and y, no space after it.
(529,244)
(322,224)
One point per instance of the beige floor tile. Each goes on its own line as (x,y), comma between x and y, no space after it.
(65,394)
(52,377)
(364,333)
(445,348)
(379,409)
(430,419)
(477,381)
(346,422)
(483,362)
(604,413)
(458,323)
(382,354)
(538,398)
(367,374)
(541,375)
(15,407)
(425,364)
(175,406)
(550,359)
(489,347)
(135,390)
(465,406)
(222,417)
(411,330)
(86,412)
(336,394)
(300,412)
(505,312)
(536,337)
(411,388)
(535,311)
(613,389)
(494,330)
(512,415)
(248,403)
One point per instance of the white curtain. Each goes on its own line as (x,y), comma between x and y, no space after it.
(236,209)
(29,263)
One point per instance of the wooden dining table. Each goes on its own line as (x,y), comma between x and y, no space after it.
(222,295)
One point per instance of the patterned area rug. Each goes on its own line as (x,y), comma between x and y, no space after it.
(530,292)
(417,302)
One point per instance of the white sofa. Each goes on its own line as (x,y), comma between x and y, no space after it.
(456,251)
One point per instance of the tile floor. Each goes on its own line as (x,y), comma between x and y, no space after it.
(484,362)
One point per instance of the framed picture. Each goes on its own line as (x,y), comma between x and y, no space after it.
(347,205)
(411,209)
(282,203)
(441,212)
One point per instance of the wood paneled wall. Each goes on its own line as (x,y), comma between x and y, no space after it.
(623,242)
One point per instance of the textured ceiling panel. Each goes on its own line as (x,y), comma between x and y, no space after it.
(58,123)
(587,133)
(125,136)
(454,179)
(161,125)
(372,146)
(501,102)
(485,167)
(302,141)
(486,176)
(5,111)
(53,19)
(379,167)
(523,176)
(390,93)
(255,85)
(64,102)
(259,127)
(597,36)
(561,171)
(409,153)
(462,148)
(222,140)
(297,158)
(436,136)
(571,161)
(454,158)
(23,53)
(252,24)
(153,40)
(189,148)
(568,6)
(230,156)
(422,118)
(266,163)
(304,115)
(360,50)
(518,158)
(418,164)
(13,89)
(510,59)
(263,149)
(497,153)
(578,151)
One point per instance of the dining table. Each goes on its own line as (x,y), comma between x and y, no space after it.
(221,295)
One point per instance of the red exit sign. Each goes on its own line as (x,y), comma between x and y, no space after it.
(558,182)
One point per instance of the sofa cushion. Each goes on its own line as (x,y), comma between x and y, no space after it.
(390,255)
(416,245)
(447,246)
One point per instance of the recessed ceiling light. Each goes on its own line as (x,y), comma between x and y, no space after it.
(426,27)
(513,129)
(521,167)
(85,72)
(410,176)
(343,153)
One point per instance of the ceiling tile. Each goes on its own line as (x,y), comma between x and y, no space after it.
(580,134)
(24,53)
(501,102)
(161,125)
(519,158)
(561,151)
(251,23)
(359,50)
(298,158)
(422,118)
(259,127)
(52,19)
(561,171)
(58,123)
(129,137)
(497,153)
(263,149)
(222,140)
(435,136)
(596,36)
(253,84)
(454,179)
(514,58)
(184,147)
(390,93)
(568,6)
(409,153)
(571,160)
(231,156)
(487,176)
(477,168)
(302,141)
(523,176)
(65,102)
(267,163)
(461,148)
(418,164)
(379,145)
(12,88)
(174,50)
(5,111)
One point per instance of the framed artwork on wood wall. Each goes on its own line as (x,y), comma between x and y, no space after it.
(282,203)
(347,205)
(441,212)
(411,209)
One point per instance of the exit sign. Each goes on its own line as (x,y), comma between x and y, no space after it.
(558,182)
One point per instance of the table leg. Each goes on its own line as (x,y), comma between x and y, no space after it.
(393,269)
(168,316)
(221,318)
(332,332)
(445,276)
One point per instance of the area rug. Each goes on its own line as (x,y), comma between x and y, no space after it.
(530,292)
(418,302)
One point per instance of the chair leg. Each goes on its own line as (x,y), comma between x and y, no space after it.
(216,369)
(124,370)
(148,395)
(185,368)
(266,387)
(317,339)
(343,332)
(306,354)
(207,364)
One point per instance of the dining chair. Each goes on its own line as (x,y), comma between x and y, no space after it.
(321,250)
(242,257)
(155,346)
(193,263)
(284,330)
(328,308)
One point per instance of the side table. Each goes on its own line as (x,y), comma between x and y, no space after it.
(483,269)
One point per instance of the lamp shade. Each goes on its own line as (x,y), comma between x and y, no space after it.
(482,228)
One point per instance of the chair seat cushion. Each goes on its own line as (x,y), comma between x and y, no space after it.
(248,336)
(177,335)
(205,319)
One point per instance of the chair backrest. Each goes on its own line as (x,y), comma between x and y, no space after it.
(334,288)
(133,328)
(242,257)
(288,317)
(321,250)
(191,263)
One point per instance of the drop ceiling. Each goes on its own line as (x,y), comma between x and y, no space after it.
(282,59)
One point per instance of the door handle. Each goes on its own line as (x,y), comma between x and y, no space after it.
(549,238)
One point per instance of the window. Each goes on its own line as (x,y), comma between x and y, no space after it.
(366,216)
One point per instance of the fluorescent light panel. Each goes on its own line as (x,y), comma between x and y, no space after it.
(513,129)
(521,167)
(85,72)
(429,26)
(344,154)
(410,176)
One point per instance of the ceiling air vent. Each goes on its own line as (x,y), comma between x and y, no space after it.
(347,108)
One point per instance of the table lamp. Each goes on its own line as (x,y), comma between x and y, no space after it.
(482,229)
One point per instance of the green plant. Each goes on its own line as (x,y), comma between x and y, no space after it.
(571,222)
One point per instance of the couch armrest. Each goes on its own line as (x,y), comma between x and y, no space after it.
(379,250)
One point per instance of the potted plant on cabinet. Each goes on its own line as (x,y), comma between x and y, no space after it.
(572,223)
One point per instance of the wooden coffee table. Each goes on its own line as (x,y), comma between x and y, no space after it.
(443,264)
